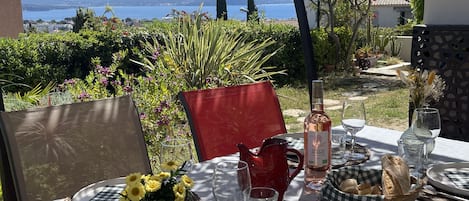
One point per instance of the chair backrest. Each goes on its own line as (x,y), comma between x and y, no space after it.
(444,48)
(5,168)
(220,118)
(307,45)
(55,151)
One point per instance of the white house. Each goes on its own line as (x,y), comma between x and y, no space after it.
(389,13)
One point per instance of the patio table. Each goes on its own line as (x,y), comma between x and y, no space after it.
(379,141)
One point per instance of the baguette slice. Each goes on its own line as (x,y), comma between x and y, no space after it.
(395,177)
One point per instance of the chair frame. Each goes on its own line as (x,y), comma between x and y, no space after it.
(5,166)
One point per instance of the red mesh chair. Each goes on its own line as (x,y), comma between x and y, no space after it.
(53,152)
(220,118)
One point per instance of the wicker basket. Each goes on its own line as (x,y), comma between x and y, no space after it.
(370,176)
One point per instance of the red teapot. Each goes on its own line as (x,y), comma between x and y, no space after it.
(268,167)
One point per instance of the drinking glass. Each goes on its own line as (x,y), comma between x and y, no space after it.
(426,126)
(263,194)
(177,150)
(338,147)
(353,120)
(231,181)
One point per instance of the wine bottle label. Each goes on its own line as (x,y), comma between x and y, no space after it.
(317,148)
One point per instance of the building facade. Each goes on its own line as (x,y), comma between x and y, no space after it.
(11,18)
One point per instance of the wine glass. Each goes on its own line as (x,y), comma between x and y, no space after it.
(426,126)
(353,120)
(231,181)
(178,151)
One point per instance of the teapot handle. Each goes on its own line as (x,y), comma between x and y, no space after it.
(300,164)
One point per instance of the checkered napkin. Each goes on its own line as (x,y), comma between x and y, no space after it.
(108,193)
(330,190)
(459,178)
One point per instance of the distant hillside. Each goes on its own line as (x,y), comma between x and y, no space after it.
(60,4)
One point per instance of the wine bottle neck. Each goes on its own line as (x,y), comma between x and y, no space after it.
(317,96)
(317,105)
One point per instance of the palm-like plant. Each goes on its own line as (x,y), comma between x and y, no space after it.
(209,55)
(18,100)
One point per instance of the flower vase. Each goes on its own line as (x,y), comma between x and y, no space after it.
(411,147)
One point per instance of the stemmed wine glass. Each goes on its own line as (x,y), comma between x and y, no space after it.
(426,126)
(231,181)
(353,120)
(177,151)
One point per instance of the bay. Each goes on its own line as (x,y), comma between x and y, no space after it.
(269,11)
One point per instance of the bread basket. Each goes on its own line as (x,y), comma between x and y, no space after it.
(330,191)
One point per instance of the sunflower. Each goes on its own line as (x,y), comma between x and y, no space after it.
(135,192)
(152,185)
(133,178)
(187,181)
(170,165)
(179,192)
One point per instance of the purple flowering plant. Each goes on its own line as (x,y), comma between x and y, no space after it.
(154,92)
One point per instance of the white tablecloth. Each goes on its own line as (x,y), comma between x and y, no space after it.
(380,141)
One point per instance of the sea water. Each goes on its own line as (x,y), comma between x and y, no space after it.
(269,11)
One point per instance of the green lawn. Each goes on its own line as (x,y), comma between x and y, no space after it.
(386,106)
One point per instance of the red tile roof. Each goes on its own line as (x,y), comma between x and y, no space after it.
(390,2)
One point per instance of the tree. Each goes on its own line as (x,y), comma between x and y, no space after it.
(349,13)
(362,8)
(417,9)
(327,9)
(252,14)
(222,12)
(82,16)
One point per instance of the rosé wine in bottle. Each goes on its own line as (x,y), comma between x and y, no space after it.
(317,141)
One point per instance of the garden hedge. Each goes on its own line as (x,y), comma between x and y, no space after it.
(44,57)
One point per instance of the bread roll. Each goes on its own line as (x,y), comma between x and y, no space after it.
(349,186)
(395,177)
(364,189)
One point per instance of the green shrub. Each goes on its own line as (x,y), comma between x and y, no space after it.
(208,54)
(55,57)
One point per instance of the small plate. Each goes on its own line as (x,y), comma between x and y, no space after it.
(451,177)
(88,192)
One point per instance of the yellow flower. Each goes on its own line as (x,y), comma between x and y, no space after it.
(124,192)
(187,181)
(160,176)
(136,191)
(133,178)
(123,196)
(179,192)
(145,178)
(170,165)
(152,185)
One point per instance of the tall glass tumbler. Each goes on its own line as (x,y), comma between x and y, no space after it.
(177,151)
(231,181)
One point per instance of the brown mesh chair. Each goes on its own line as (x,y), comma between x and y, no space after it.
(55,151)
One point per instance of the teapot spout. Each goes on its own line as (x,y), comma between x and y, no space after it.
(242,148)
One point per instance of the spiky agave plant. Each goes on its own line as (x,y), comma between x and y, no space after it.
(207,54)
